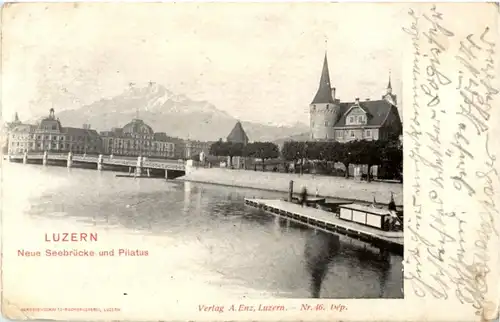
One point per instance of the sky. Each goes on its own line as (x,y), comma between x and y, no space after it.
(258,62)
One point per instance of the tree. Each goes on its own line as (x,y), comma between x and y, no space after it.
(346,154)
(262,150)
(219,148)
(392,157)
(229,149)
(234,149)
(369,153)
(292,151)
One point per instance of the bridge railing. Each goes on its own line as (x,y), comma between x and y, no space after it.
(107,159)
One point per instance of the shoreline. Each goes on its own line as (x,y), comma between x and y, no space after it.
(248,179)
(268,190)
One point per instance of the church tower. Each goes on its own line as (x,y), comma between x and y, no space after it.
(324,108)
(389,96)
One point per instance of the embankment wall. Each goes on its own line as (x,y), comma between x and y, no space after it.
(337,187)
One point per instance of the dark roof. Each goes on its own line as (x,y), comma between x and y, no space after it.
(23,128)
(377,111)
(80,132)
(137,126)
(324,94)
(49,122)
(237,134)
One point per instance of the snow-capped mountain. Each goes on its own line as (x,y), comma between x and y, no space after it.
(165,111)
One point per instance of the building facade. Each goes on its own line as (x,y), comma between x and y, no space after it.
(49,135)
(194,148)
(137,139)
(331,119)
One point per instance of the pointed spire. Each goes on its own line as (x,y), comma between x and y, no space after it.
(16,117)
(324,94)
(389,86)
(237,134)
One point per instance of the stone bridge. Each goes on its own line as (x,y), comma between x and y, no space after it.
(140,165)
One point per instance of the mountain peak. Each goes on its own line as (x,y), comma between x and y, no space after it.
(166,111)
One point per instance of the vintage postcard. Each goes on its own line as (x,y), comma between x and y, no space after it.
(250,161)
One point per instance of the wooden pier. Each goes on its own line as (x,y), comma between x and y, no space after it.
(329,222)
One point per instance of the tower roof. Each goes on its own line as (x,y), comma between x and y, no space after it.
(324,94)
(389,86)
(237,134)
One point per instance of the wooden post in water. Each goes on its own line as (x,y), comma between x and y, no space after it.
(290,191)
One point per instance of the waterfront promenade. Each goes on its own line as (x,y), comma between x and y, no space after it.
(326,186)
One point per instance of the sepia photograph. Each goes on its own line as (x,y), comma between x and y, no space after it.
(202,153)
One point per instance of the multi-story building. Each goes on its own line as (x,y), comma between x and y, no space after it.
(5,130)
(194,148)
(49,135)
(137,138)
(331,119)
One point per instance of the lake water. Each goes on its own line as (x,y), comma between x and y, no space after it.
(200,236)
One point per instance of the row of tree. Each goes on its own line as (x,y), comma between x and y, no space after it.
(387,152)
(380,152)
(259,150)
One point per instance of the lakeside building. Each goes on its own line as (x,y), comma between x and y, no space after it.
(6,129)
(49,135)
(331,119)
(193,148)
(137,138)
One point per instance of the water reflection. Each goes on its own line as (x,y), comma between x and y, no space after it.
(245,247)
(320,249)
(187,196)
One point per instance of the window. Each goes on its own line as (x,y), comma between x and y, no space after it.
(368,133)
(326,123)
(340,134)
(352,133)
(351,119)
(360,119)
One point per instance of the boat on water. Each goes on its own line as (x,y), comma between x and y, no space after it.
(384,218)
(377,226)
(131,176)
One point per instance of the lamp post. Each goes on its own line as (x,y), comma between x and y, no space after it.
(347,169)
